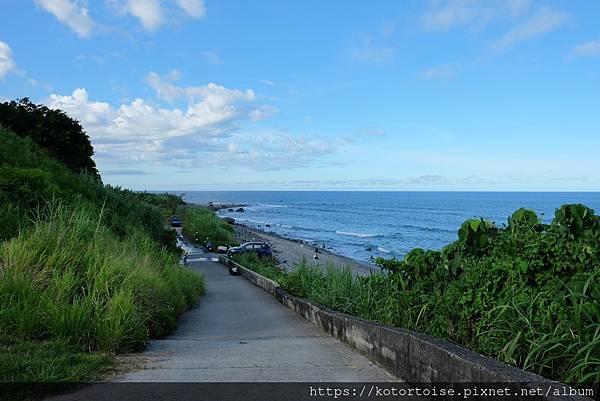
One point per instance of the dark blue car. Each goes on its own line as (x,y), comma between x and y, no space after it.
(175,221)
(259,248)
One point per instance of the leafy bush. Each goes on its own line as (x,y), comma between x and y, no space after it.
(476,235)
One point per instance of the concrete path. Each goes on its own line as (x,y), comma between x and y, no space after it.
(238,332)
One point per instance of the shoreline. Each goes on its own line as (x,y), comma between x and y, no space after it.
(290,251)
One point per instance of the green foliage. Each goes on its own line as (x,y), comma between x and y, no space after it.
(202,223)
(53,130)
(86,270)
(475,235)
(266,266)
(523,217)
(577,220)
(30,177)
(528,294)
(69,278)
(49,361)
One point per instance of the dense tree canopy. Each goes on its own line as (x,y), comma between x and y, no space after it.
(53,130)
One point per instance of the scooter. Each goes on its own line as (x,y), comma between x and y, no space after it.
(209,246)
(233,269)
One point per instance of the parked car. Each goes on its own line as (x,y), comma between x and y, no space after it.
(175,221)
(259,248)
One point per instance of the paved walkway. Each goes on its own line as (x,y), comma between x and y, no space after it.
(238,332)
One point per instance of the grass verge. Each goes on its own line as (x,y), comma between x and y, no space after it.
(72,293)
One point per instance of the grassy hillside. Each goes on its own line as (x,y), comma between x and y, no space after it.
(86,270)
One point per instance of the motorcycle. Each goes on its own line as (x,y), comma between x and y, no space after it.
(233,269)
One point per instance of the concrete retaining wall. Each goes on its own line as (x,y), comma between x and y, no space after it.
(266,284)
(411,356)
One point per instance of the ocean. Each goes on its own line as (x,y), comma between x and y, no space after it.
(366,225)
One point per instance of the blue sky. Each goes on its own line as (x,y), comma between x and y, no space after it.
(286,94)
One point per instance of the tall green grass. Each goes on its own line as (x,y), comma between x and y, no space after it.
(552,333)
(262,265)
(198,219)
(69,278)
(30,177)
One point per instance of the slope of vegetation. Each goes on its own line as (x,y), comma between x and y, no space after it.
(86,270)
(527,294)
(62,137)
(202,223)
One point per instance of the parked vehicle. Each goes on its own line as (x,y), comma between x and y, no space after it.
(233,269)
(175,221)
(259,248)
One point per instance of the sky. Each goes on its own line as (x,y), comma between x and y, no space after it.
(319,95)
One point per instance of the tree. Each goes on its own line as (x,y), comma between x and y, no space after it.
(62,136)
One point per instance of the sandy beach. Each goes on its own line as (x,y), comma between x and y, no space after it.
(289,252)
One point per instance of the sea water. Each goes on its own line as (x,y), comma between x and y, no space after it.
(366,225)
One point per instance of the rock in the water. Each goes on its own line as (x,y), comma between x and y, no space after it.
(230,210)
(240,210)
(229,220)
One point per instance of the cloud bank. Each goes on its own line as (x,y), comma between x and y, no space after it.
(215,129)
(71,14)
(151,14)
(7,63)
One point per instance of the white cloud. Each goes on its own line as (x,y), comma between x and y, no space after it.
(7,64)
(174,75)
(142,121)
(140,131)
(444,15)
(153,14)
(213,94)
(148,12)
(442,72)
(273,151)
(194,8)
(70,13)
(212,57)
(587,50)
(544,21)
(262,112)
